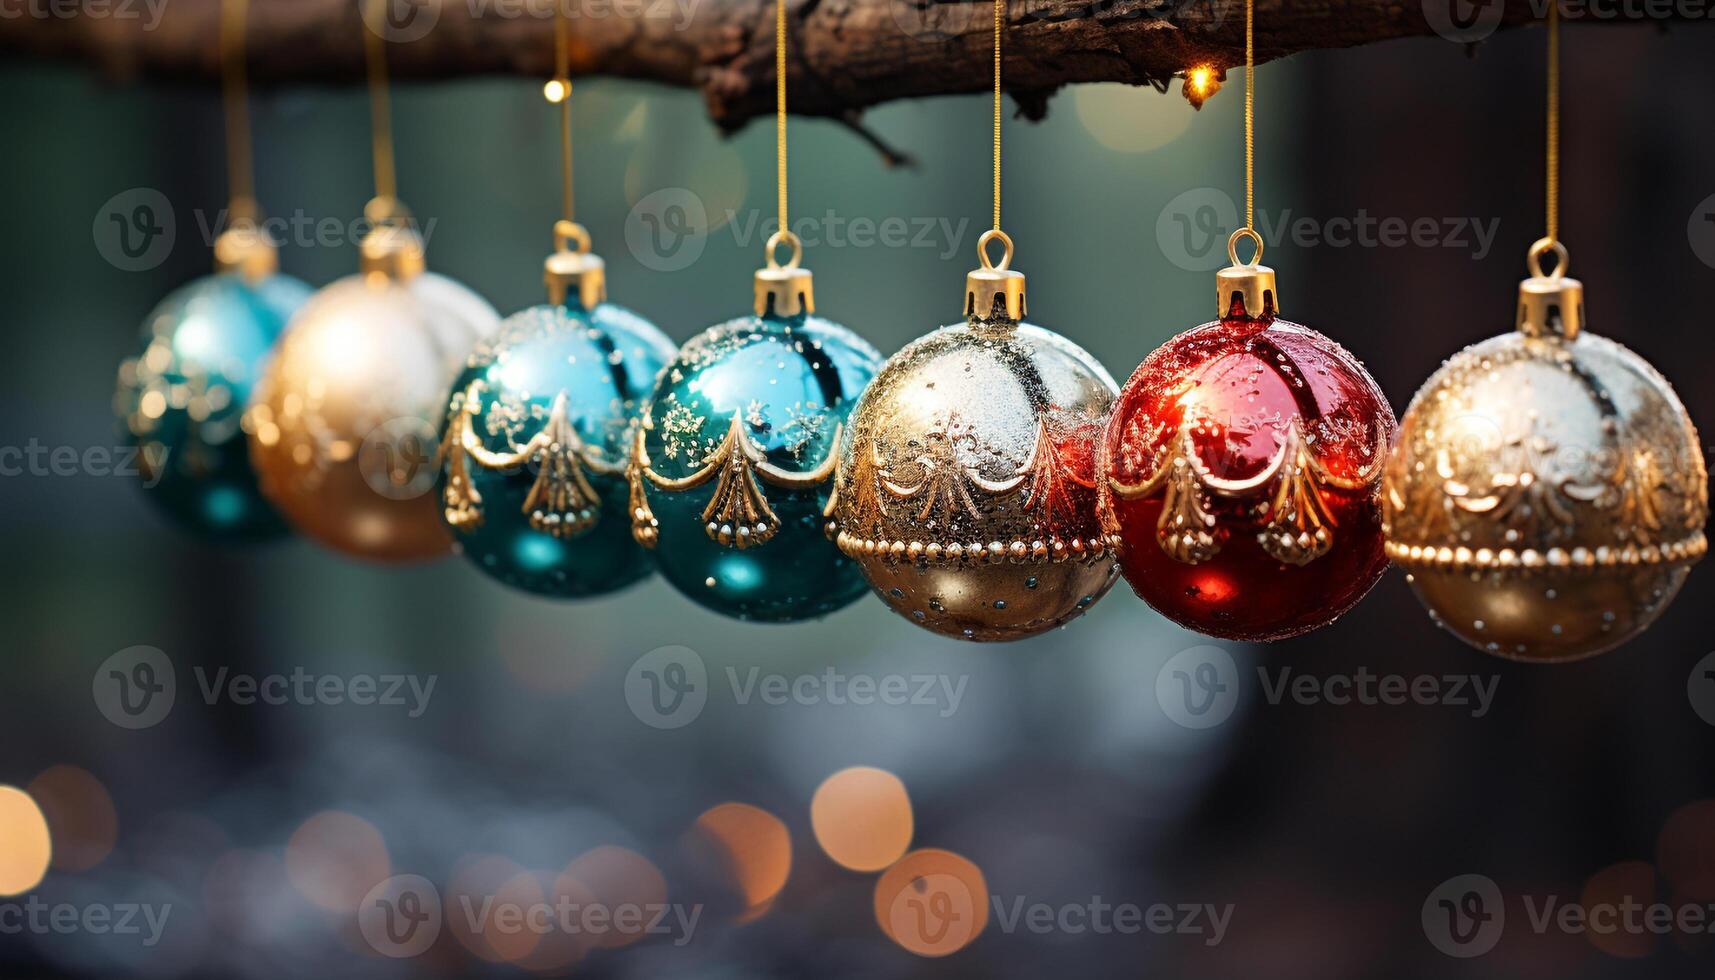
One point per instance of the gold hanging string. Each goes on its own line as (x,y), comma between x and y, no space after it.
(1553,203)
(240,173)
(999,20)
(380,113)
(563,76)
(780,107)
(1250,114)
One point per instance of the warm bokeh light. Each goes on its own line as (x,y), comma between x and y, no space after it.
(862,818)
(756,848)
(1685,850)
(557,90)
(477,881)
(932,902)
(1606,894)
(1130,118)
(26,848)
(1201,82)
(80,815)
(619,877)
(335,858)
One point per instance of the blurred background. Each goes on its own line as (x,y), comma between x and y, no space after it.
(1292,839)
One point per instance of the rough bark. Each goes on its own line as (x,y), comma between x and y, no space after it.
(846,55)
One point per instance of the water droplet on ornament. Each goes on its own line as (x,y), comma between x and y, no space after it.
(1479,625)
(710,581)
(1030,583)
(1000,603)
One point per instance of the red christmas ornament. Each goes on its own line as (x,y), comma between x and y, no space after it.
(1242,470)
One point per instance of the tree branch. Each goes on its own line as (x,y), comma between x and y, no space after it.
(847,55)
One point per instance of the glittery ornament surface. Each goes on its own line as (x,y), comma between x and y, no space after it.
(967,481)
(182,399)
(1243,464)
(1547,495)
(738,446)
(343,429)
(535,447)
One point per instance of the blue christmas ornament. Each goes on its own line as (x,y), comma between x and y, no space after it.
(733,465)
(182,400)
(538,431)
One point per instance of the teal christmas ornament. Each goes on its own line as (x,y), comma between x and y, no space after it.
(181,401)
(538,432)
(733,464)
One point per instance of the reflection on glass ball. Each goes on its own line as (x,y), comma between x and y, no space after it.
(539,499)
(1242,470)
(739,441)
(182,400)
(343,427)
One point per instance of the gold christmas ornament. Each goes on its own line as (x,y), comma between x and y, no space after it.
(343,425)
(1548,492)
(966,484)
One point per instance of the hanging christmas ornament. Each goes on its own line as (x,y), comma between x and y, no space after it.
(540,423)
(966,487)
(1243,461)
(733,463)
(204,347)
(1548,494)
(343,427)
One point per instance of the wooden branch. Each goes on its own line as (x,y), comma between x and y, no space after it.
(846,55)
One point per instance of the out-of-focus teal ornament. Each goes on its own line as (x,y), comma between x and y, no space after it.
(733,464)
(538,431)
(181,401)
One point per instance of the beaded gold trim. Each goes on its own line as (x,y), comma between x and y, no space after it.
(1552,560)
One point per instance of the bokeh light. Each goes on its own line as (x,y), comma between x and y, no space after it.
(80,815)
(1685,850)
(620,878)
(335,858)
(26,848)
(1607,895)
(1131,118)
(932,902)
(862,818)
(756,849)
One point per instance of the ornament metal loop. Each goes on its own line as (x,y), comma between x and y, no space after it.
(994,286)
(385,210)
(566,232)
(1540,248)
(569,269)
(784,237)
(784,290)
(995,234)
(1233,246)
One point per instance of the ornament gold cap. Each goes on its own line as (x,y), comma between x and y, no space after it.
(1251,282)
(784,290)
(246,250)
(574,269)
(994,283)
(1550,305)
(392,248)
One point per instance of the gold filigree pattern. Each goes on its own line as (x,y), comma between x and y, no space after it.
(1299,526)
(561,502)
(738,514)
